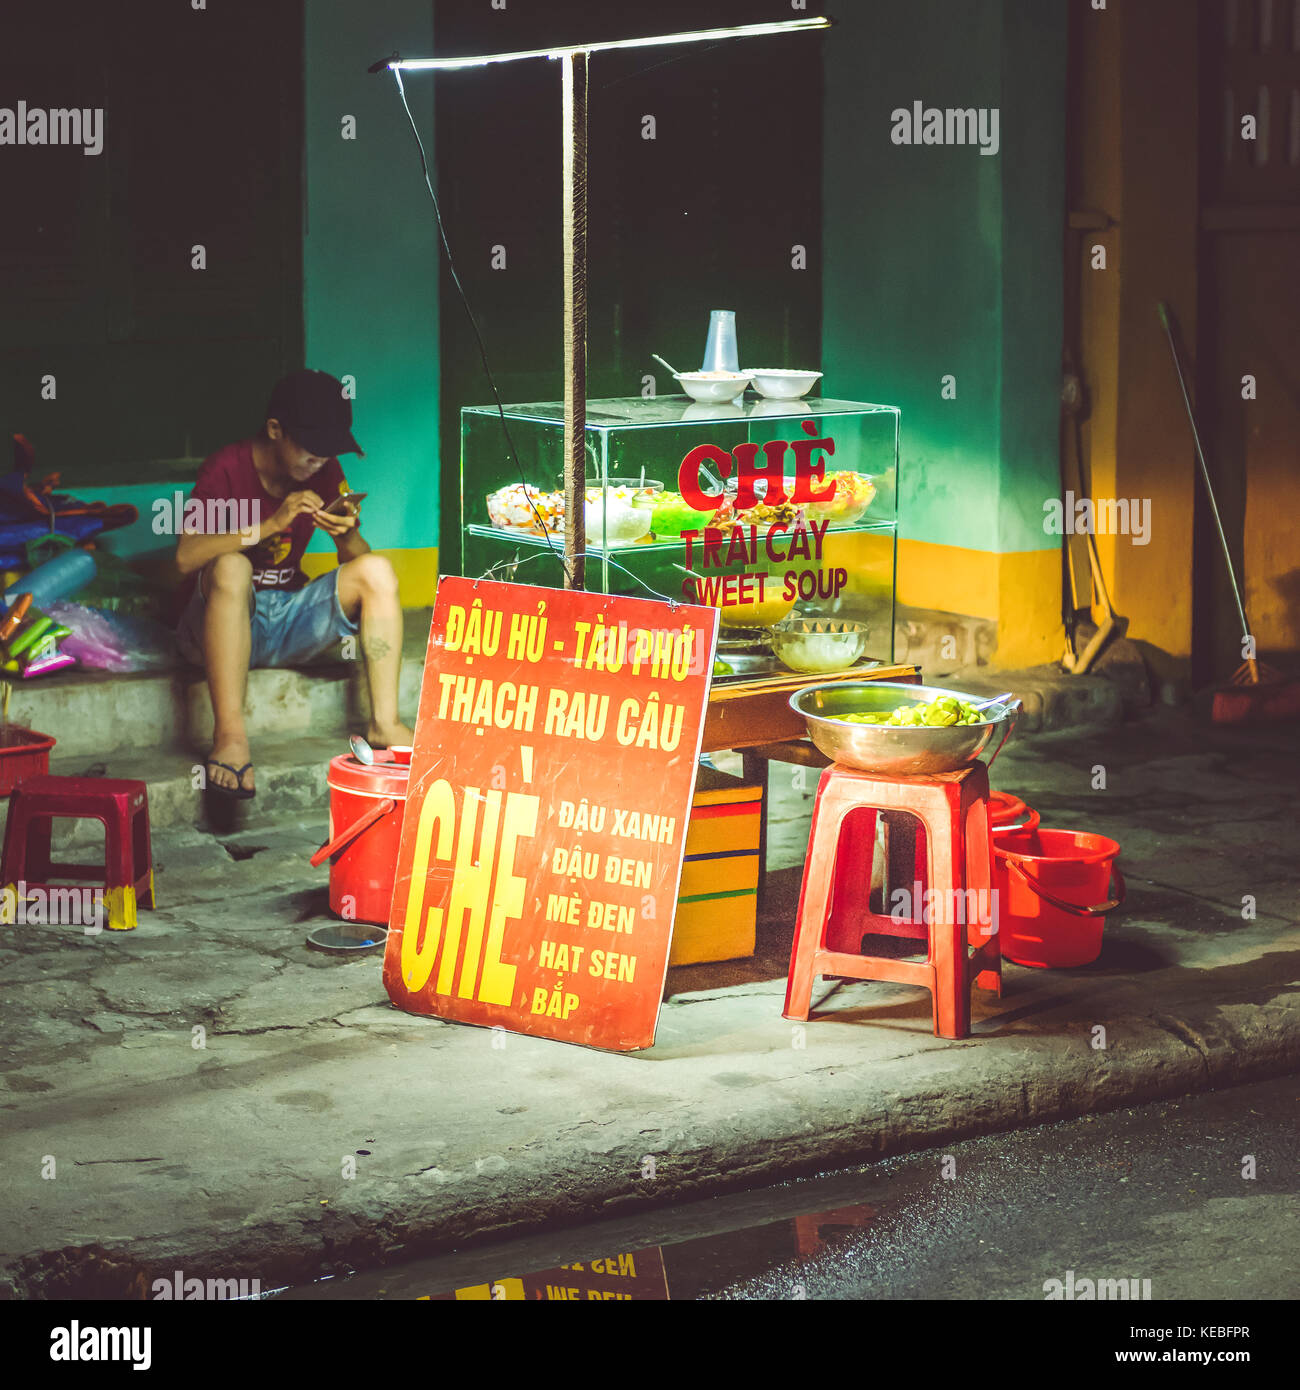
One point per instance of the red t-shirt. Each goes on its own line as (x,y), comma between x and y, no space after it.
(229,477)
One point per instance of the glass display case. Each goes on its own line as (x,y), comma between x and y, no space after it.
(769,510)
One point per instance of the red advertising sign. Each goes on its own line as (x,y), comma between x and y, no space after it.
(550,792)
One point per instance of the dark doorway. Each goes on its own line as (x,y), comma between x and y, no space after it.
(1248,333)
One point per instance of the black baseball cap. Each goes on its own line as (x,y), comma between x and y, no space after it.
(314,411)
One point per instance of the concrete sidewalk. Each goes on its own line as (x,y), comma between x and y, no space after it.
(131,1151)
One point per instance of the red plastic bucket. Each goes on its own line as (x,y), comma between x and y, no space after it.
(1052,890)
(23,754)
(1005,808)
(366,808)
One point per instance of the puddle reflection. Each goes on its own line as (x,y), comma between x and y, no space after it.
(687,1270)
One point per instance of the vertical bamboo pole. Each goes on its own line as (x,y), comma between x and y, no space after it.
(575,316)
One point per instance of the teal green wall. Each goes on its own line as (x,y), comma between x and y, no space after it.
(1034,40)
(139,538)
(370,257)
(370,274)
(941,261)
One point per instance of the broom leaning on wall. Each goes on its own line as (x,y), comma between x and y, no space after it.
(1256,693)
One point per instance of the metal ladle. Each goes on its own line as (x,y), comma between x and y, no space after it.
(361,750)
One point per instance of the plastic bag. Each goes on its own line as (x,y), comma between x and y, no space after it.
(113,641)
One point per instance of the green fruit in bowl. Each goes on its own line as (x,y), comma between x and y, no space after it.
(943,712)
(673,514)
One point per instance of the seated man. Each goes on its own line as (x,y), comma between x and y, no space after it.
(251,604)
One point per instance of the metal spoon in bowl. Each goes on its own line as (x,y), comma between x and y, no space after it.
(704,472)
(995,700)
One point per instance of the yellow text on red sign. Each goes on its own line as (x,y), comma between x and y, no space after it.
(474,861)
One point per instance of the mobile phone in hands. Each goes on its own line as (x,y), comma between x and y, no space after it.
(346,503)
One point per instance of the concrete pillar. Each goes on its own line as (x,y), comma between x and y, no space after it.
(370,268)
(1139,158)
(945,262)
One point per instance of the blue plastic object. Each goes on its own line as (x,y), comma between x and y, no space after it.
(16,536)
(59,578)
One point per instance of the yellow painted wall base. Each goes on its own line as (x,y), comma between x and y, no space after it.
(417,572)
(1020,591)
(1030,631)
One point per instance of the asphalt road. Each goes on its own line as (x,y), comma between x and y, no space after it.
(1161,1193)
(1157,1193)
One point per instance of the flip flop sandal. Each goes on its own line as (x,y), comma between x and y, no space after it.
(238,792)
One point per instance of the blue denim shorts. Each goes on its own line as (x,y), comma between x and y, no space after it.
(287,628)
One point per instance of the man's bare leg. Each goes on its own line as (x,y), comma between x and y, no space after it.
(368,590)
(227,642)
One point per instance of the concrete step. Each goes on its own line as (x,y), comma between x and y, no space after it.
(290,775)
(291,790)
(291,769)
(941,643)
(157,727)
(1053,700)
(96,713)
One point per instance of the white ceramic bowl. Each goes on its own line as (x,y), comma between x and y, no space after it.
(777,384)
(716,387)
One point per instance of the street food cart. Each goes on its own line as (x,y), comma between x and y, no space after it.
(702,503)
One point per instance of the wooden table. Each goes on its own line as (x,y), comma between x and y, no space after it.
(750,713)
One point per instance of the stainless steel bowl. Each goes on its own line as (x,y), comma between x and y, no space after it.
(896,751)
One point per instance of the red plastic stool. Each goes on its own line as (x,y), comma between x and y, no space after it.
(953,844)
(122,806)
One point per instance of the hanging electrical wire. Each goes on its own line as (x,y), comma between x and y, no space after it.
(478,337)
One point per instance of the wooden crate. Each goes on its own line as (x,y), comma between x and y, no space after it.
(717,904)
